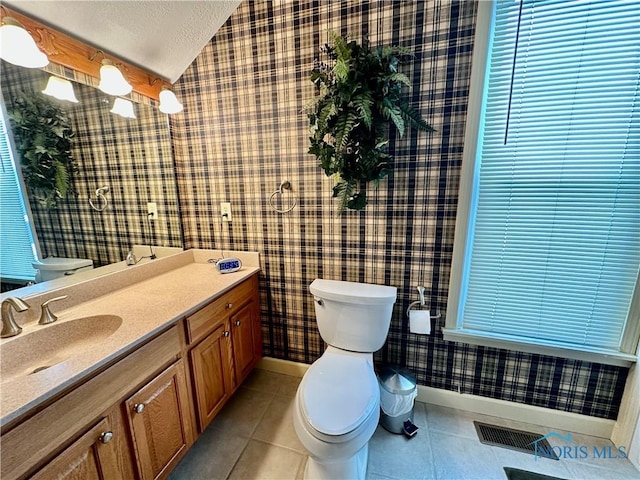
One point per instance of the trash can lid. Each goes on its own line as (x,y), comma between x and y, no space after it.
(398,380)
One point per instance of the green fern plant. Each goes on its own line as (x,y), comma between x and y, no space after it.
(360,95)
(43,134)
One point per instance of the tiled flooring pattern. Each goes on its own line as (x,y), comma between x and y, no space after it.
(253,438)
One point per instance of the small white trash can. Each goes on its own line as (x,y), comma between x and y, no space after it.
(398,392)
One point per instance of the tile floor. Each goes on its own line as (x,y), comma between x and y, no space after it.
(253,438)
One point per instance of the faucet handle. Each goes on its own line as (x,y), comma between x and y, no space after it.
(46,316)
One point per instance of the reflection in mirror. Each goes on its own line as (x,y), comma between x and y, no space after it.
(131,157)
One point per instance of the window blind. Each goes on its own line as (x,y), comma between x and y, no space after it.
(18,248)
(555,239)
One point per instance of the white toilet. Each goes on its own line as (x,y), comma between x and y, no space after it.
(56,267)
(337,406)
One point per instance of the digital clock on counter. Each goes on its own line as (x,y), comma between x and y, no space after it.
(228,265)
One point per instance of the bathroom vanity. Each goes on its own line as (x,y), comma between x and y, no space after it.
(132,404)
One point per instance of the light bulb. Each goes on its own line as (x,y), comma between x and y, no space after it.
(112,80)
(169,103)
(61,89)
(18,47)
(123,107)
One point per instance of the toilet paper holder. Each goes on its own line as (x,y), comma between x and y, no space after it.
(420,302)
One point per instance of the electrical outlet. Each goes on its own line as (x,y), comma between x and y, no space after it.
(225,211)
(152,210)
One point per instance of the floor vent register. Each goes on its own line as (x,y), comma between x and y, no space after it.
(519,440)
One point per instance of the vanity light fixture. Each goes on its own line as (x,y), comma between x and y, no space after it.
(169,102)
(112,80)
(18,47)
(123,107)
(61,89)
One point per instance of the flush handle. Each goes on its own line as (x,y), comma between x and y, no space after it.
(318,300)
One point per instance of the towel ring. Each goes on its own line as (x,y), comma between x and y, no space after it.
(286,185)
(100,196)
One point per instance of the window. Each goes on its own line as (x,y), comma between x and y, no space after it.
(18,245)
(547,249)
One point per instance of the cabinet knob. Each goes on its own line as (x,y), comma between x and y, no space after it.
(229,306)
(138,407)
(238,323)
(105,437)
(225,334)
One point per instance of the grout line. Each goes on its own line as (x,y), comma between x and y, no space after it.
(255,428)
(237,460)
(252,433)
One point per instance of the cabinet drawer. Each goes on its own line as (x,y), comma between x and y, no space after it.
(204,321)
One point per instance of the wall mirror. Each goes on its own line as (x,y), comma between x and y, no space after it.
(132,157)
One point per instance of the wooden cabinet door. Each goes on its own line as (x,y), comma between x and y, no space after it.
(158,417)
(212,369)
(242,334)
(92,457)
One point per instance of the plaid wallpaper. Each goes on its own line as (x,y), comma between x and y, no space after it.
(133,157)
(243,132)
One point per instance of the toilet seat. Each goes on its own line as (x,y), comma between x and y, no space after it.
(339,393)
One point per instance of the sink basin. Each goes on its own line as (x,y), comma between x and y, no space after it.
(48,345)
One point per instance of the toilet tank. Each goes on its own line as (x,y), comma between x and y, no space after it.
(353,316)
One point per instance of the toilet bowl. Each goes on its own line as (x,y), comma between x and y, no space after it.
(336,412)
(337,405)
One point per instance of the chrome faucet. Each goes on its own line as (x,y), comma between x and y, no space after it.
(131,258)
(46,316)
(9,326)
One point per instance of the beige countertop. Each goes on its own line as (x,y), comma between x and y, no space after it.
(149,298)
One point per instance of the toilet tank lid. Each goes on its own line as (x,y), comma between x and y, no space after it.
(61,263)
(353,292)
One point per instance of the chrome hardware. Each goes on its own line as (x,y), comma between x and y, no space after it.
(225,334)
(237,323)
(286,185)
(318,300)
(131,258)
(229,306)
(46,316)
(421,291)
(415,304)
(9,326)
(102,200)
(105,437)
(422,302)
(138,407)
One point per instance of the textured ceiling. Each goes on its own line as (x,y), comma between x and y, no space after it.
(161,36)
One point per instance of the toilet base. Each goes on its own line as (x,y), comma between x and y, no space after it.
(352,468)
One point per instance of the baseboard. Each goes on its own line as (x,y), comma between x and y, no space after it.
(554,419)
(283,366)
